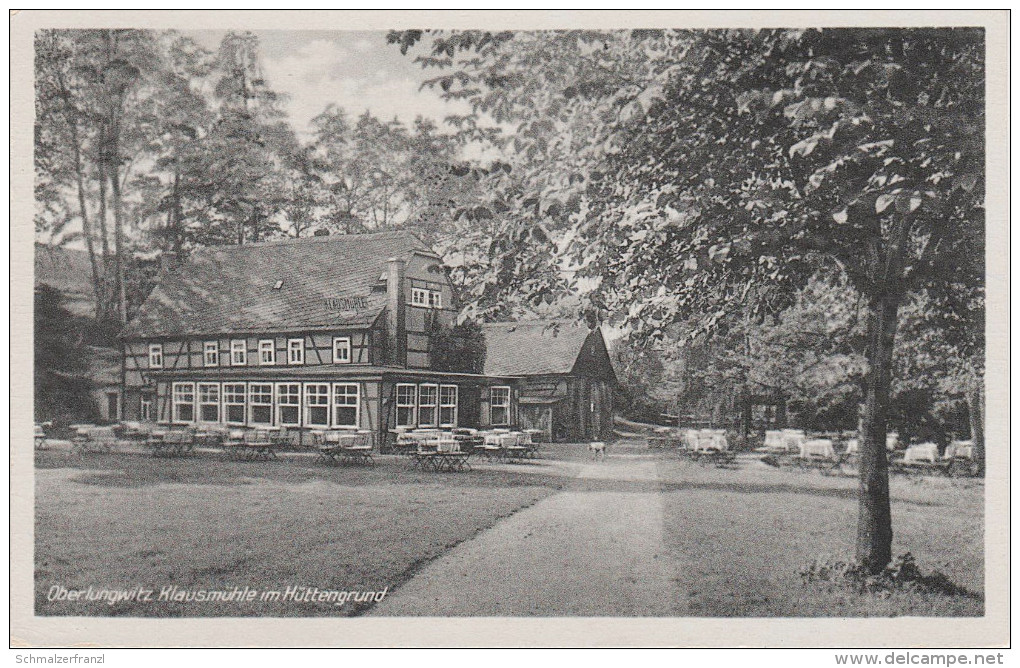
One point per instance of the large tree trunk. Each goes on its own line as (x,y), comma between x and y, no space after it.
(976,410)
(874,520)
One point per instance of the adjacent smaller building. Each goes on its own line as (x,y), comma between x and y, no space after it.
(566,377)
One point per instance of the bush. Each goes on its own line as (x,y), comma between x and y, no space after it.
(902,574)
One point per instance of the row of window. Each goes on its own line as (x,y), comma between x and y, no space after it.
(325,404)
(422,405)
(266,352)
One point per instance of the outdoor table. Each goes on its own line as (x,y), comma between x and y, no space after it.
(924,452)
(428,460)
(346,448)
(40,437)
(356,454)
(170,442)
(514,453)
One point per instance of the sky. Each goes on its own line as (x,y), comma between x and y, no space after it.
(356,70)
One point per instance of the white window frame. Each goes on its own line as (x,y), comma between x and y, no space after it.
(309,405)
(200,387)
(420,297)
(291,349)
(443,404)
(238,346)
(357,404)
(155,355)
(280,405)
(145,408)
(253,404)
(211,353)
(413,405)
(342,344)
(267,346)
(227,404)
(493,404)
(175,403)
(433,407)
(426,298)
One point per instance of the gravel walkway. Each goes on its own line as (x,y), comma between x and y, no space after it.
(589,551)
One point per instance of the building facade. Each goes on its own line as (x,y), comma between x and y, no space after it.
(334,332)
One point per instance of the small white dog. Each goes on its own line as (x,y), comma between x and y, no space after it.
(597,449)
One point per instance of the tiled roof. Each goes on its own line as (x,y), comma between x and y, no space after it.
(227,289)
(532,348)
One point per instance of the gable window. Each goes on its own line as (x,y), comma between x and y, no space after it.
(233,403)
(288,404)
(260,403)
(499,401)
(267,352)
(183,396)
(341,350)
(238,352)
(406,405)
(345,405)
(448,406)
(211,353)
(296,351)
(317,404)
(155,355)
(426,298)
(209,402)
(428,396)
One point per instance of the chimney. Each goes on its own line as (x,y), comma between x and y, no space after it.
(395,300)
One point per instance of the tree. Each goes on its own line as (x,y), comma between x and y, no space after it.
(62,387)
(723,169)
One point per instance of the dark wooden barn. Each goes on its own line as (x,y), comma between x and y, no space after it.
(566,376)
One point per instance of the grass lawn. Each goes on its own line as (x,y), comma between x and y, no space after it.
(119,521)
(741,537)
(735,540)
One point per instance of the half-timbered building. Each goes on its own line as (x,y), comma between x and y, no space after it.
(328,332)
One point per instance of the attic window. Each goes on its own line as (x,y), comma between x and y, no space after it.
(279,284)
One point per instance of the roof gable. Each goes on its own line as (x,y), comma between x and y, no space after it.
(535,347)
(223,289)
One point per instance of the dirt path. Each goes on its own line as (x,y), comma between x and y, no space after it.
(590,551)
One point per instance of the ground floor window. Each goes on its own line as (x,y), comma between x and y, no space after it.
(209,402)
(345,405)
(406,405)
(428,398)
(499,404)
(145,408)
(183,395)
(260,403)
(288,404)
(317,404)
(233,403)
(448,406)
